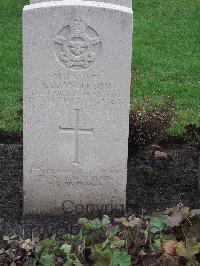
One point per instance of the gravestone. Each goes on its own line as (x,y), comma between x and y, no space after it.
(77,69)
(117,2)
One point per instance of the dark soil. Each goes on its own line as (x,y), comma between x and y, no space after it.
(152,185)
(156,185)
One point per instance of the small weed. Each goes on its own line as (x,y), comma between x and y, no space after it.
(169,238)
(147,126)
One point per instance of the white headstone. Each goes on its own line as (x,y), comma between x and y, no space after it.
(116,2)
(77,69)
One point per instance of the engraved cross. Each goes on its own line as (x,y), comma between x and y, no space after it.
(76,129)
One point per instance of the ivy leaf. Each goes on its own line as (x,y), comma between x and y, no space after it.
(120,258)
(47,260)
(157,224)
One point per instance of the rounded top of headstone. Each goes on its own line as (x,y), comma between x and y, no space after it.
(127,3)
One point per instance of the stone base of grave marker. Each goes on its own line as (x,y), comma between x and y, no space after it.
(77,69)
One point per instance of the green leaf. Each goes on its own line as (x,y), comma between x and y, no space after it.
(120,258)
(157,224)
(152,247)
(157,243)
(118,243)
(67,263)
(94,224)
(39,249)
(66,248)
(101,255)
(105,220)
(70,239)
(46,246)
(112,231)
(30,262)
(47,260)
(83,221)
(193,247)
(188,251)
(181,250)
(189,263)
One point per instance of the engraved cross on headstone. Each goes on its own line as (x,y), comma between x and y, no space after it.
(76,129)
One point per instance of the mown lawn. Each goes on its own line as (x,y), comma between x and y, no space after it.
(10,65)
(166,59)
(166,56)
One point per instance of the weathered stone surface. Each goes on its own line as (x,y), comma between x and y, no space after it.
(77,68)
(116,2)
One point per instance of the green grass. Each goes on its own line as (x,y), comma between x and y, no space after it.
(166,56)
(166,59)
(10,65)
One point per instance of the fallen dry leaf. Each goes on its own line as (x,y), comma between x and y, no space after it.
(174,220)
(170,246)
(155,147)
(159,155)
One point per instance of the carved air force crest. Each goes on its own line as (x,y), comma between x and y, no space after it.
(77,45)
